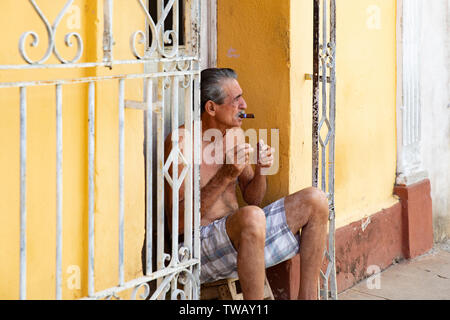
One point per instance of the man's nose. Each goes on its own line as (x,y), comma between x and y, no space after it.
(243,104)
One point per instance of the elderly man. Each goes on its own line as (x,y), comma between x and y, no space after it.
(244,241)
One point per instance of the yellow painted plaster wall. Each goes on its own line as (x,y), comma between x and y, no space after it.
(86,19)
(269,44)
(366,95)
(301,45)
(253,39)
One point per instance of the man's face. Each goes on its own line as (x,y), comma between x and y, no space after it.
(233,105)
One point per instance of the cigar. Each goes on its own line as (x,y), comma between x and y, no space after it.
(247,116)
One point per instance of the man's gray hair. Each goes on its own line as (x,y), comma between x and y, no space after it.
(211,85)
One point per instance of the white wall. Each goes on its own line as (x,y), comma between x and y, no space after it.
(434,60)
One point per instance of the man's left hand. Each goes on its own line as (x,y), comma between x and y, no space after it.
(265,155)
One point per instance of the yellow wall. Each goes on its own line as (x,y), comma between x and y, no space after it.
(366,127)
(300,169)
(18,17)
(253,39)
(274,42)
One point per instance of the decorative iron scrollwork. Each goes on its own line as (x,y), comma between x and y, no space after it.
(175,282)
(184,254)
(51,30)
(142,295)
(159,36)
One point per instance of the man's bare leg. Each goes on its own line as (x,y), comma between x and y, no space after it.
(247,231)
(308,210)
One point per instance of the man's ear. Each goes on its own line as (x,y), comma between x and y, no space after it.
(210,108)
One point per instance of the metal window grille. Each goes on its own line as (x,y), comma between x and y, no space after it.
(324,127)
(170,85)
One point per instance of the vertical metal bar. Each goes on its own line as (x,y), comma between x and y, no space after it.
(332,97)
(322,83)
(175,18)
(160,179)
(108,39)
(324,87)
(195,38)
(197,162)
(188,180)
(315,102)
(149,176)
(160,10)
(323,174)
(188,155)
(192,27)
(331,244)
(212,33)
(325,288)
(59,191)
(91,155)
(175,184)
(23,194)
(121,177)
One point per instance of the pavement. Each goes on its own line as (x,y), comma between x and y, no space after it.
(426,277)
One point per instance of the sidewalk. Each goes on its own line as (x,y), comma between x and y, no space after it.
(426,277)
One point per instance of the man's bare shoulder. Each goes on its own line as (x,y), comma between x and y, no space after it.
(181,132)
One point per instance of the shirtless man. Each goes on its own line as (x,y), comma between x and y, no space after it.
(245,241)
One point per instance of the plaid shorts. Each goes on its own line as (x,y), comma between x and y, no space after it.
(219,258)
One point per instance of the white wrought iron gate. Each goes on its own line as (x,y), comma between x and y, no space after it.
(323,125)
(169,94)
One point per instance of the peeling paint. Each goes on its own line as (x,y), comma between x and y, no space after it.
(365,223)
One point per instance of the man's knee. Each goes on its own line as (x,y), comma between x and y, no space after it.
(318,200)
(314,199)
(252,223)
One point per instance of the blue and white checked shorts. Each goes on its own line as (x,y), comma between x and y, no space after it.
(219,258)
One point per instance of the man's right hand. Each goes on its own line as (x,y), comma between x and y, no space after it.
(236,159)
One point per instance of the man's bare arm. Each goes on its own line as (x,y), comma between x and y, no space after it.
(253,186)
